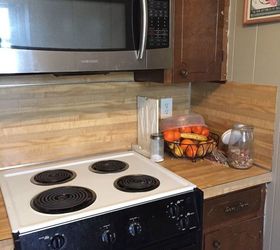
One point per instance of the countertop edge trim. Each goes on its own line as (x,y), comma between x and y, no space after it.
(236,185)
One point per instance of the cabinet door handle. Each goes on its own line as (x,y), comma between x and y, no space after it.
(184,72)
(216,244)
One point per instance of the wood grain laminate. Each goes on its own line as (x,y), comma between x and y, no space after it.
(43,121)
(216,179)
(7,244)
(5,229)
(224,105)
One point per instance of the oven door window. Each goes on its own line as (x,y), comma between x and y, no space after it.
(90,25)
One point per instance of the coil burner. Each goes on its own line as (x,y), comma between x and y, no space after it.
(136,183)
(52,177)
(108,166)
(63,200)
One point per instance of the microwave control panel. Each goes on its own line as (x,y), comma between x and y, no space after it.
(158,24)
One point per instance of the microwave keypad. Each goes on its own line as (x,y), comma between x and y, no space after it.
(158,22)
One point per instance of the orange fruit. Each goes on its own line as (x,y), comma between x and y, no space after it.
(205,131)
(191,151)
(171,135)
(185,129)
(185,143)
(189,147)
(197,129)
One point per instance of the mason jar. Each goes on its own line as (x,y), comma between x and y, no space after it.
(240,146)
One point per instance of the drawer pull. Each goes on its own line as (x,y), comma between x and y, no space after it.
(216,244)
(184,73)
(236,208)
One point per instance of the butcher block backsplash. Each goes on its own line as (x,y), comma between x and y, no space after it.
(46,118)
(226,104)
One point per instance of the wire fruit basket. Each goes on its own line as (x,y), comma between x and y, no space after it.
(192,147)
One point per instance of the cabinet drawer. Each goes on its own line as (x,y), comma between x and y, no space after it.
(246,235)
(233,207)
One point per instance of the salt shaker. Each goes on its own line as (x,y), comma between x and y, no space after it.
(157,147)
(240,146)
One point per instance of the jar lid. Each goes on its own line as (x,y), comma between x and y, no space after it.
(241,126)
(156,136)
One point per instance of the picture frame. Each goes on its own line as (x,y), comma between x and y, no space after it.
(261,11)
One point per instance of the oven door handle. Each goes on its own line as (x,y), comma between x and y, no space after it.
(144,29)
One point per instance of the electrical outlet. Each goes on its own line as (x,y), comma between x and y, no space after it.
(165,107)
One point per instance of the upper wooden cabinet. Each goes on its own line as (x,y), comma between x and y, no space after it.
(200,43)
(200,40)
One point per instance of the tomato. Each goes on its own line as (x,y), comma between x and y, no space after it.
(185,129)
(171,135)
(197,129)
(205,131)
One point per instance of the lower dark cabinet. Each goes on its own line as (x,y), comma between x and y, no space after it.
(235,221)
(246,235)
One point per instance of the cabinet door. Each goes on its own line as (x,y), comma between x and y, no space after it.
(200,40)
(245,235)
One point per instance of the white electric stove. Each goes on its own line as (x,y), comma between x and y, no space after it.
(111,201)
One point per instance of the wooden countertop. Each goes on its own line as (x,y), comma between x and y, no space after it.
(212,178)
(215,179)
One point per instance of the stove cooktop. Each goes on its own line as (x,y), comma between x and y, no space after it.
(19,188)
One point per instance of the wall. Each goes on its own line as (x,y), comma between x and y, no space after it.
(253,49)
(254,58)
(41,120)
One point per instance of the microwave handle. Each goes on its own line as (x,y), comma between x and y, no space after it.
(144,29)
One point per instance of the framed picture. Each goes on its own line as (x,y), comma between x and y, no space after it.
(260,11)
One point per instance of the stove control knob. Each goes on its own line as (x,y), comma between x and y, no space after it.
(173,210)
(57,242)
(183,223)
(108,237)
(134,229)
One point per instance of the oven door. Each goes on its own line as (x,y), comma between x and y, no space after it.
(72,35)
(187,241)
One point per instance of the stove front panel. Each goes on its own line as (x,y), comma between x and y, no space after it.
(171,223)
(18,190)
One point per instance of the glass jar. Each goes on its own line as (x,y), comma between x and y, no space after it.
(240,146)
(157,147)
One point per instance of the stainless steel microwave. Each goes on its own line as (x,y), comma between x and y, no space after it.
(40,36)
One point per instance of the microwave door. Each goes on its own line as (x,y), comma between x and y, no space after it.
(71,35)
(122,32)
(143,29)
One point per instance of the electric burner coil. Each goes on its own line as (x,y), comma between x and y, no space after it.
(52,177)
(136,183)
(108,166)
(64,199)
